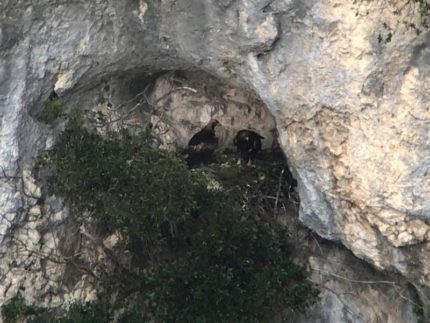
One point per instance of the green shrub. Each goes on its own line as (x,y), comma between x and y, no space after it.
(124,182)
(202,255)
(237,270)
(52,111)
(90,312)
(15,310)
(130,316)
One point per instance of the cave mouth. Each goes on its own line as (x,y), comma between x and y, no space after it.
(174,105)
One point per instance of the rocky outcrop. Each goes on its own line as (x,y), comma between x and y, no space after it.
(353,292)
(347,83)
(352,117)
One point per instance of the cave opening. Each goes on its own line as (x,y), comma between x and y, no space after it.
(173,105)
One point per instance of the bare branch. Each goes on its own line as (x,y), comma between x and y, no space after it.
(420,119)
(181,88)
(354,280)
(275,208)
(370,282)
(338,296)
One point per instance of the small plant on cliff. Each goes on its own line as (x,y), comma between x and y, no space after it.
(15,310)
(199,254)
(90,312)
(52,111)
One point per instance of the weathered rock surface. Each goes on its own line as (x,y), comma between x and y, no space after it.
(351,110)
(353,292)
(352,117)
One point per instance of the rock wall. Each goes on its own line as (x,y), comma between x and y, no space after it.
(347,83)
(353,120)
(353,292)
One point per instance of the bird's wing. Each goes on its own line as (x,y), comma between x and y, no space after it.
(203,140)
(196,139)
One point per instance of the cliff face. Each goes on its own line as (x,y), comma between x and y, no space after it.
(352,113)
(346,82)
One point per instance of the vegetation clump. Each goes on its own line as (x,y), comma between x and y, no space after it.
(199,254)
(89,312)
(52,111)
(16,309)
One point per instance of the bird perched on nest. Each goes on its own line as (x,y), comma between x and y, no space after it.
(202,145)
(248,145)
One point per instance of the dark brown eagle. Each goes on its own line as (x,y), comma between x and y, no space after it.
(202,145)
(248,145)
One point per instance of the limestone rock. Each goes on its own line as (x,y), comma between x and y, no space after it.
(352,292)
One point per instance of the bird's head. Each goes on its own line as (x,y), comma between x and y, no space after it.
(213,123)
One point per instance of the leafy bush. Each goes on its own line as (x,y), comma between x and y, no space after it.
(238,270)
(16,309)
(205,257)
(125,183)
(90,312)
(52,111)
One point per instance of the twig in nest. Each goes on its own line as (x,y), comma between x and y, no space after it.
(127,276)
(416,118)
(143,93)
(190,89)
(369,282)
(275,207)
(318,245)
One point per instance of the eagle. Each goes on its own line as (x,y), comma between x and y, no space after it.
(248,145)
(202,145)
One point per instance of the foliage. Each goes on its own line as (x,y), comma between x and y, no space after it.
(90,312)
(201,255)
(16,309)
(130,316)
(125,183)
(52,111)
(238,270)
